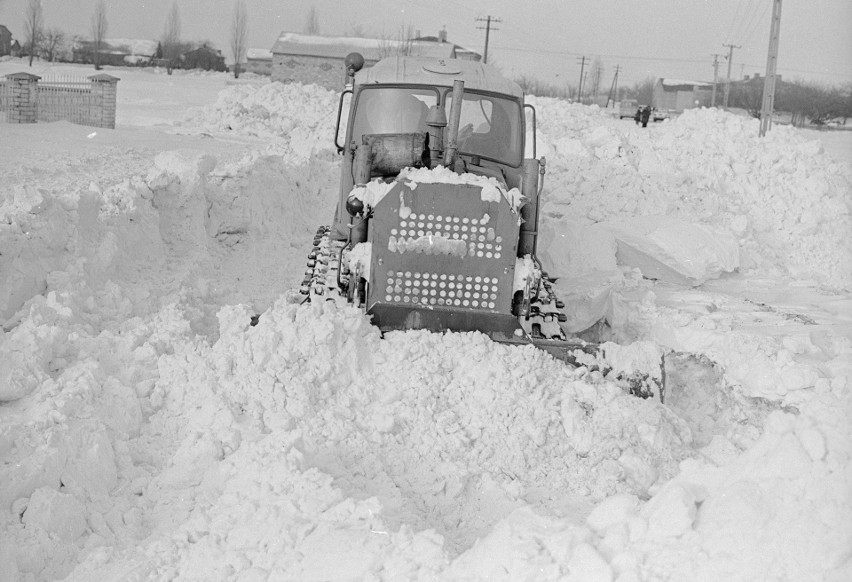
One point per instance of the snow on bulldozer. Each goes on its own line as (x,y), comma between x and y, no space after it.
(436,225)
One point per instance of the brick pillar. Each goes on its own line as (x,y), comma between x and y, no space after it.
(23,97)
(102,105)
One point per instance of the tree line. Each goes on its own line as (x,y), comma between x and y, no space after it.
(53,44)
(805,101)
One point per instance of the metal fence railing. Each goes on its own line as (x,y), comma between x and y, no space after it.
(65,98)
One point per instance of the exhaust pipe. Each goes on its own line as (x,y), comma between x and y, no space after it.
(452,150)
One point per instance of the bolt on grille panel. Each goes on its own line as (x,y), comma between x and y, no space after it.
(440,246)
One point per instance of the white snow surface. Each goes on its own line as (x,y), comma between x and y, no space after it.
(148,431)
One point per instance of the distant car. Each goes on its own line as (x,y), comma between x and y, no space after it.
(627,108)
(659,114)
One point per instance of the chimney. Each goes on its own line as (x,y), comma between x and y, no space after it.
(442,35)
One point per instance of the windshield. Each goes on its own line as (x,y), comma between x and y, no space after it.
(391,110)
(490,127)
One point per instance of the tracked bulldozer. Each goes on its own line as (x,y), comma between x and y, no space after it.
(436,225)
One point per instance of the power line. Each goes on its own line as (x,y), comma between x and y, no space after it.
(733,21)
(757,21)
(748,16)
(663,60)
(608,56)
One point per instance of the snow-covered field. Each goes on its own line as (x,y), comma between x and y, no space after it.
(148,432)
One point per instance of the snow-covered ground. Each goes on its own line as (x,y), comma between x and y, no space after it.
(148,432)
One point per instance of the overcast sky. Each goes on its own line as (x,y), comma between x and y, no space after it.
(539,38)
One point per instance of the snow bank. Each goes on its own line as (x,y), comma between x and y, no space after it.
(273,433)
(785,202)
(303,115)
(150,431)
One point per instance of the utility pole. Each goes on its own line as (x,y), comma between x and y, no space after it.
(715,77)
(731,48)
(613,89)
(771,65)
(487,20)
(580,87)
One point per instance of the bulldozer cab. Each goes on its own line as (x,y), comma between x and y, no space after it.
(397,97)
(491,126)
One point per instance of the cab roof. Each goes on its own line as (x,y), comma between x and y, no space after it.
(438,72)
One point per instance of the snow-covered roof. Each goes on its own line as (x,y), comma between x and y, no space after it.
(259,54)
(291,43)
(682,83)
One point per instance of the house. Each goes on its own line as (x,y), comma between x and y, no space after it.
(459,52)
(16,49)
(114,51)
(5,41)
(677,95)
(319,59)
(204,57)
(258,61)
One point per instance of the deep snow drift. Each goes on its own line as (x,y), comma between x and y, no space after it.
(148,432)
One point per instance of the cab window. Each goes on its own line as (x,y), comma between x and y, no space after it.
(391,110)
(490,127)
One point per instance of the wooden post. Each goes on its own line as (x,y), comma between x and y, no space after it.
(771,65)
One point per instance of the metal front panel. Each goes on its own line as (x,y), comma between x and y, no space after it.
(441,247)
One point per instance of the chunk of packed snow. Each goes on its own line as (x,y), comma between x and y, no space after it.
(674,251)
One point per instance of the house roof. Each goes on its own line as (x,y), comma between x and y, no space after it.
(291,43)
(258,54)
(3,28)
(419,70)
(458,48)
(681,85)
(205,50)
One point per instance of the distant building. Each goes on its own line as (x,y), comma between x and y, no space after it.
(114,51)
(459,52)
(5,41)
(205,58)
(258,61)
(678,95)
(319,59)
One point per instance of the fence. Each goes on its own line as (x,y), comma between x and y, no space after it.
(67,98)
(27,98)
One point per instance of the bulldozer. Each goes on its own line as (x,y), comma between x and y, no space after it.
(436,225)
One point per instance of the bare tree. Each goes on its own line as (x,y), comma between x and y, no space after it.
(52,43)
(312,25)
(358,31)
(33,23)
(239,35)
(99,29)
(171,38)
(402,45)
(643,91)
